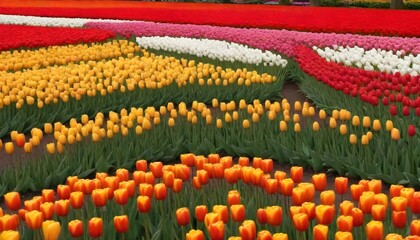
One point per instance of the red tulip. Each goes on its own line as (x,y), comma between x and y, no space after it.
(345,223)
(62,207)
(319,181)
(415,203)
(63,191)
(76,200)
(121,196)
(200,212)
(12,200)
(217,230)
(160,191)
(156,169)
(341,185)
(75,228)
(399,219)
(183,216)
(100,197)
(48,195)
(296,173)
(121,223)
(411,130)
(262,216)
(141,165)
(144,204)
(95,227)
(415,227)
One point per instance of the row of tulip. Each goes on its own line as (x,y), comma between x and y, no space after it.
(385,91)
(348,144)
(63,55)
(138,79)
(213,49)
(17,36)
(165,201)
(342,20)
(372,59)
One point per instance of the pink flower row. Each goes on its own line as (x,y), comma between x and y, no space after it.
(283,41)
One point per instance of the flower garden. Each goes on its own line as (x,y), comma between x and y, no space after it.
(132,120)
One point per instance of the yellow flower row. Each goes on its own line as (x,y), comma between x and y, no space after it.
(62,55)
(54,83)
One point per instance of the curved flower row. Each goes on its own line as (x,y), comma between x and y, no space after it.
(373,59)
(213,49)
(214,196)
(282,41)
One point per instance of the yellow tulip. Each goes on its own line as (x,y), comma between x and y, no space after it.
(51,229)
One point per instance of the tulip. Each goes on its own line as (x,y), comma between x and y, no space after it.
(33,219)
(130,186)
(395,134)
(196,183)
(47,210)
(63,192)
(146,189)
(168,178)
(399,203)
(62,207)
(280,236)
(51,229)
(248,230)
(320,232)
(182,216)
(9,235)
(121,223)
(75,228)
(262,216)
(375,230)
(237,212)
(356,191)
(9,148)
(346,207)
(324,214)
(143,204)
(203,176)
(279,176)
(296,173)
(22,214)
(200,212)
(48,195)
(345,223)
(141,165)
(217,230)
(415,203)
(301,222)
(149,178)
(243,161)
(341,185)
(375,186)
(343,236)
(12,200)
(395,190)
(195,235)
(415,227)
(233,197)
(76,200)
(274,215)
(298,196)
(366,202)
(159,191)
(411,130)
(267,165)
(187,159)
(177,185)
(121,196)
(407,193)
(399,219)
(394,236)
(95,227)
(319,181)
(100,197)
(9,222)
(156,169)
(309,209)
(327,197)
(231,175)
(211,218)
(222,211)
(122,174)
(286,186)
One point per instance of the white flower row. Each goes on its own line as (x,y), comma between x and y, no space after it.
(373,59)
(49,21)
(213,49)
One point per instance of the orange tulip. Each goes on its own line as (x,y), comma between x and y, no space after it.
(381,198)
(203,176)
(286,186)
(144,204)
(234,197)
(279,175)
(22,214)
(298,196)
(32,204)
(200,212)
(63,191)
(146,189)
(324,214)
(319,181)
(296,173)
(182,216)
(156,169)
(95,227)
(295,210)
(177,185)
(12,200)
(111,182)
(195,235)
(121,196)
(159,191)
(149,178)
(243,161)
(9,235)
(399,219)
(183,172)
(345,223)
(327,197)
(48,195)
(301,222)
(274,215)
(232,175)
(399,203)
(267,165)
(358,217)
(264,235)
(51,229)
(375,230)
(100,197)
(121,223)
(122,174)
(213,158)
(356,191)
(47,210)
(211,218)
(280,236)
(366,202)
(309,209)
(248,230)
(222,211)
(75,228)
(415,203)
(375,186)
(343,236)
(262,216)
(415,227)
(320,232)
(187,159)
(9,222)
(309,191)
(346,207)
(141,165)
(394,236)
(237,212)
(139,177)
(256,162)
(199,162)
(196,183)
(168,179)
(407,193)
(395,190)
(378,212)
(71,180)
(218,170)
(62,207)
(9,147)
(226,161)
(34,219)
(217,230)
(341,185)
(76,200)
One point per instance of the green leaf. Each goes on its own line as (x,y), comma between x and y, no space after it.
(86,173)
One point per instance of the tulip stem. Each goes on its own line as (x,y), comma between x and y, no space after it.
(183,232)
